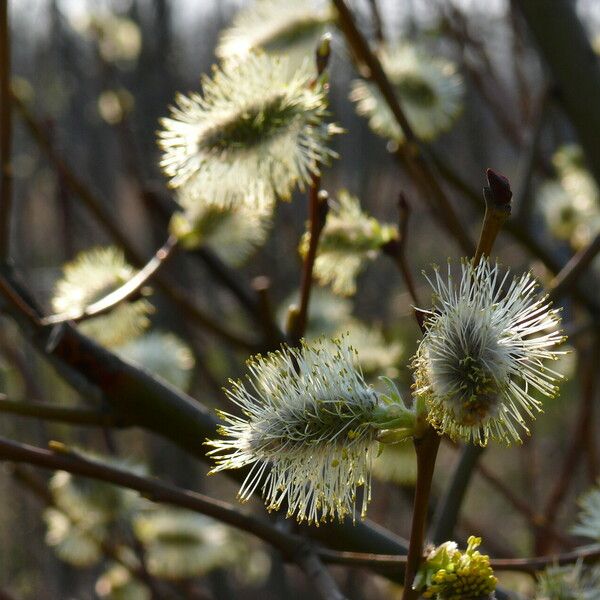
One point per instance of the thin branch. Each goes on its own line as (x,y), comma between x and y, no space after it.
(5,133)
(457,25)
(174,292)
(567,278)
(519,232)
(62,414)
(16,301)
(377,21)
(261,286)
(535,520)
(309,561)
(412,153)
(396,249)
(126,292)
(589,377)
(38,488)
(158,407)
(426,448)
(448,508)
(153,489)
(318,207)
(587,554)
(529,157)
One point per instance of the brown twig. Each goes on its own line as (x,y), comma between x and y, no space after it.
(426,448)
(62,414)
(586,554)
(412,153)
(577,444)
(5,133)
(396,249)
(174,292)
(310,562)
(318,207)
(567,277)
(519,232)
(126,292)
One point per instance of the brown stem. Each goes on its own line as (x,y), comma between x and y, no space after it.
(317,214)
(412,154)
(309,561)
(426,448)
(586,554)
(61,414)
(577,445)
(396,250)
(126,292)
(5,133)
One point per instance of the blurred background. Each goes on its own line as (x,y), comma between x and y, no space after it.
(97,76)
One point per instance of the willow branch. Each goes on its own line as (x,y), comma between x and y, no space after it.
(152,489)
(126,292)
(426,448)
(317,214)
(587,554)
(62,414)
(567,277)
(519,232)
(412,153)
(5,133)
(310,562)
(589,377)
(175,293)
(396,250)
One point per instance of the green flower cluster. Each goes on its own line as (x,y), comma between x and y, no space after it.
(450,574)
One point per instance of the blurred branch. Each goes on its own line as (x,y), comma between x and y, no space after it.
(377,22)
(5,133)
(535,520)
(412,153)
(61,414)
(457,26)
(396,249)
(38,488)
(160,408)
(126,292)
(175,293)
(566,279)
(565,45)
(317,214)
(293,547)
(164,207)
(309,561)
(578,440)
(529,158)
(66,460)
